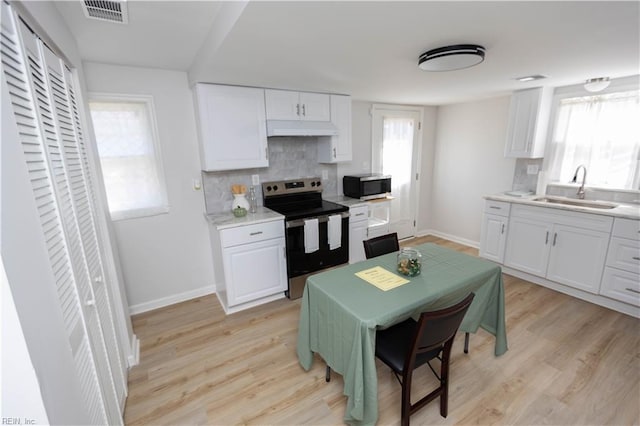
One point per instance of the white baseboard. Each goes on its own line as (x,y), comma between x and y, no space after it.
(134,358)
(170,300)
(454,238)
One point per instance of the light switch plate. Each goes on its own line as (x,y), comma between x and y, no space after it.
(255,179)
(325,175)
(532,169)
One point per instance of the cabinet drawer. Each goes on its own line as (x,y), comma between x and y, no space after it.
(358,213)
(624,254)
(499,208)
(626,228)
(621,285)
(251,233)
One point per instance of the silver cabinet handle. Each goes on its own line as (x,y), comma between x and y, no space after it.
(633,290)
(636,258)
(495,207)
(502,232)
(256,233)
(555,237)
(298,110)
(304,110)
(334,153)
(359,214)
(546,239)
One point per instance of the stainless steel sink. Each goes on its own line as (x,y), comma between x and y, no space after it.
(603,205)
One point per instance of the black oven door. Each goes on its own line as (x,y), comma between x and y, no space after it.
(301,263)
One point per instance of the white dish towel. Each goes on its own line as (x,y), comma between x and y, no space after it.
(334,229)
(311,243)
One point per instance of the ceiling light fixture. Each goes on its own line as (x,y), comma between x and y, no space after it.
(531,78)
(596,84)
(451,58)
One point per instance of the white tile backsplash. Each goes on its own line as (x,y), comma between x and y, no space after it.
(289,158)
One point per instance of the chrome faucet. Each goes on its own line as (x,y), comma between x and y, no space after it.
(580,192)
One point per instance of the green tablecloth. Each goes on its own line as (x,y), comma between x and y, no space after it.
(340,313)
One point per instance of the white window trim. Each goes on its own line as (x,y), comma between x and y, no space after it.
(149,102)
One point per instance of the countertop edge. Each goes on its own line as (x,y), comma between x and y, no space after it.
(626,211)
(228,220)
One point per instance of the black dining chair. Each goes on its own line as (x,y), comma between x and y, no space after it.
(410,344)
(381,245)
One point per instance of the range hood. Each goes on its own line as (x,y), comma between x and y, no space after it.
(300,128)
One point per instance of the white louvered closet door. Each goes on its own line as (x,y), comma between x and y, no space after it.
(47,130)
(74,158)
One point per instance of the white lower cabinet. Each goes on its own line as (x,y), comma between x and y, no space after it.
(358,224)
(493,234)
(249,264)
(254,270)
(590,256)
(577,257)
(565,247)
(621,279)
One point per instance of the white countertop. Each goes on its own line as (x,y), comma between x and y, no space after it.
(353,202)
(628,211)
(228,220)
(346,201)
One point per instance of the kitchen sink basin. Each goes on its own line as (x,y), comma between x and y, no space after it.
(603,205)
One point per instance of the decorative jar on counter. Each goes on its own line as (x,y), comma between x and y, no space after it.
(409,262)
(240,205)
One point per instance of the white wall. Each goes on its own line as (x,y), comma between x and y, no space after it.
(468,164)
(165,258)
(360,140)
(429,127)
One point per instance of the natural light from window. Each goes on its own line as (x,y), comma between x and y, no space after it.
(602,133)
(129,156)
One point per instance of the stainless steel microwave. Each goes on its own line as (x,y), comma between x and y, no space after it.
(366,186)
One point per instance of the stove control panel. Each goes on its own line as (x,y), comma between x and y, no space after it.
(293,186)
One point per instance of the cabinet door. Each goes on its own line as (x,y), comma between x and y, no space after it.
(315,107)
(357,234)
(255,270)
(521,127)
(493,237)
(232,124)
(334,149)
(282,104)
(528,244)
(577,257)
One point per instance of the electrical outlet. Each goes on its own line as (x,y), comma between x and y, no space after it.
(197,185)
(255,179)
(532,169)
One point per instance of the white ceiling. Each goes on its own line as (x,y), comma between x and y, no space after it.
(370,49)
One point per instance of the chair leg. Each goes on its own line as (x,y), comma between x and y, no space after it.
(466,343)
(327,376)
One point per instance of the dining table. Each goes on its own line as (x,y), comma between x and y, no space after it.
(340,313)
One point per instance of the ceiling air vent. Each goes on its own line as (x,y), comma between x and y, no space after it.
(106,10)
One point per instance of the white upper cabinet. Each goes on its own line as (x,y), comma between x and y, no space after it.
(290,105)
(334,149)
(528,123)
(232,127)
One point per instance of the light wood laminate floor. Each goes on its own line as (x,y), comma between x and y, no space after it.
(569,363)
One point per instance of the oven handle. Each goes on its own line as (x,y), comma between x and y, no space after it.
(300,222)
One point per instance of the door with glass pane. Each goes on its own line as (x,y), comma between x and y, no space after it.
(395,152)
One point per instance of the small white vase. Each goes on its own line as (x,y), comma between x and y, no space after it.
(240,200)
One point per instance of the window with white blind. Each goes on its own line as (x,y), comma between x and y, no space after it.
(129,155)
(601,132)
